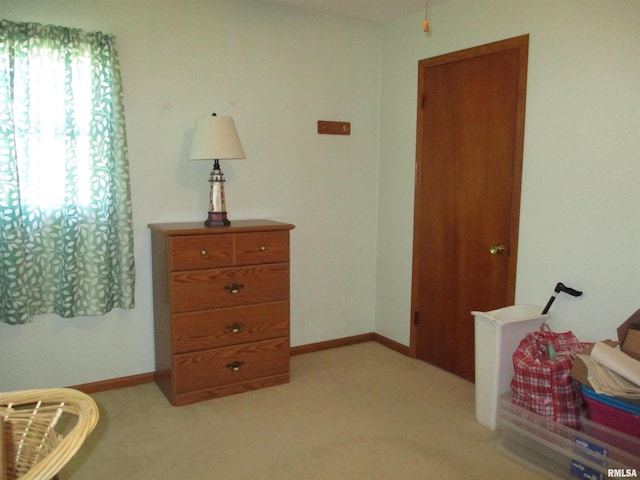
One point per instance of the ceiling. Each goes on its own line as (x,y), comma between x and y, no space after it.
(375,11)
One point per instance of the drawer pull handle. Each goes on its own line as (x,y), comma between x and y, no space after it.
(203,253)
(234,327)
(234,288)
(263,248)
(235,366)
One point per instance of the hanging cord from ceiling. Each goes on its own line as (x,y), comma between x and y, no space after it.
(425,26)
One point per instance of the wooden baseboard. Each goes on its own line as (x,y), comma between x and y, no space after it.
(343,342)
(134,380)
(112,384)
(392,344)
(338,342)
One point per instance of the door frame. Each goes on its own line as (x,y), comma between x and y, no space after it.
(521,43)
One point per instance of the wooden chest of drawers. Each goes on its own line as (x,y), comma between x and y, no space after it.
(221,307)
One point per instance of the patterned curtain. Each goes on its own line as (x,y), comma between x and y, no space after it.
(66,239)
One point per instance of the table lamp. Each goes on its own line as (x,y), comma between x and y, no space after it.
(215,138)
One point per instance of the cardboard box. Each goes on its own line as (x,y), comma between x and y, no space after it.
(628,339)
(579,369)
(629,336)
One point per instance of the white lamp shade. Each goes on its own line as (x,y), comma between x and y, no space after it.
(215,137)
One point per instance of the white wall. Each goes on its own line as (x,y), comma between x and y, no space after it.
(580,213)
(277,72)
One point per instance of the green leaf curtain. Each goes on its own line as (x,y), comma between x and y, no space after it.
(66,239)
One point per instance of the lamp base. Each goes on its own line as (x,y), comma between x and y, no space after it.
(217,219)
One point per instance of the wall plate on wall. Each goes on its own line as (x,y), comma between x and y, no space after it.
(326,127)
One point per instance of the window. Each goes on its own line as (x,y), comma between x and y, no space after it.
(66,239)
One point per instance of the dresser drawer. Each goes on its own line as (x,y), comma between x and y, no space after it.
(228,326)
(201,251)
(232,364)
(229,287)
(262,247)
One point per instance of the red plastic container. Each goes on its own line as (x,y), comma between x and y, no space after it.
(613,413)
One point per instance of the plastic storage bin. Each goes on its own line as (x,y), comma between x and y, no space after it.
(592,451)
(497,335)
(613,413)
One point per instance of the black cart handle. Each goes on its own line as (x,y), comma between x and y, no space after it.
(561,287)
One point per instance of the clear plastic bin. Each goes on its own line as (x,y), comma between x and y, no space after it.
(497,335)
(590,452)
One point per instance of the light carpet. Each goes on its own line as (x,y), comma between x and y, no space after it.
(357,412)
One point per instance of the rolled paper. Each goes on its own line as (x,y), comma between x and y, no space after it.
(618,361)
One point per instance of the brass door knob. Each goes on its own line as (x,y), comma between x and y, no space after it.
(496,249)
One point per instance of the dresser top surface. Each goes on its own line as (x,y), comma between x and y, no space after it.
(237,226)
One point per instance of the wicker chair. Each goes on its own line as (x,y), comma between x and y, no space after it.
(43,429)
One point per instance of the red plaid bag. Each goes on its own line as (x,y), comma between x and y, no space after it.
(541,382)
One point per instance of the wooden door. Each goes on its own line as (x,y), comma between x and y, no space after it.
(470,133)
